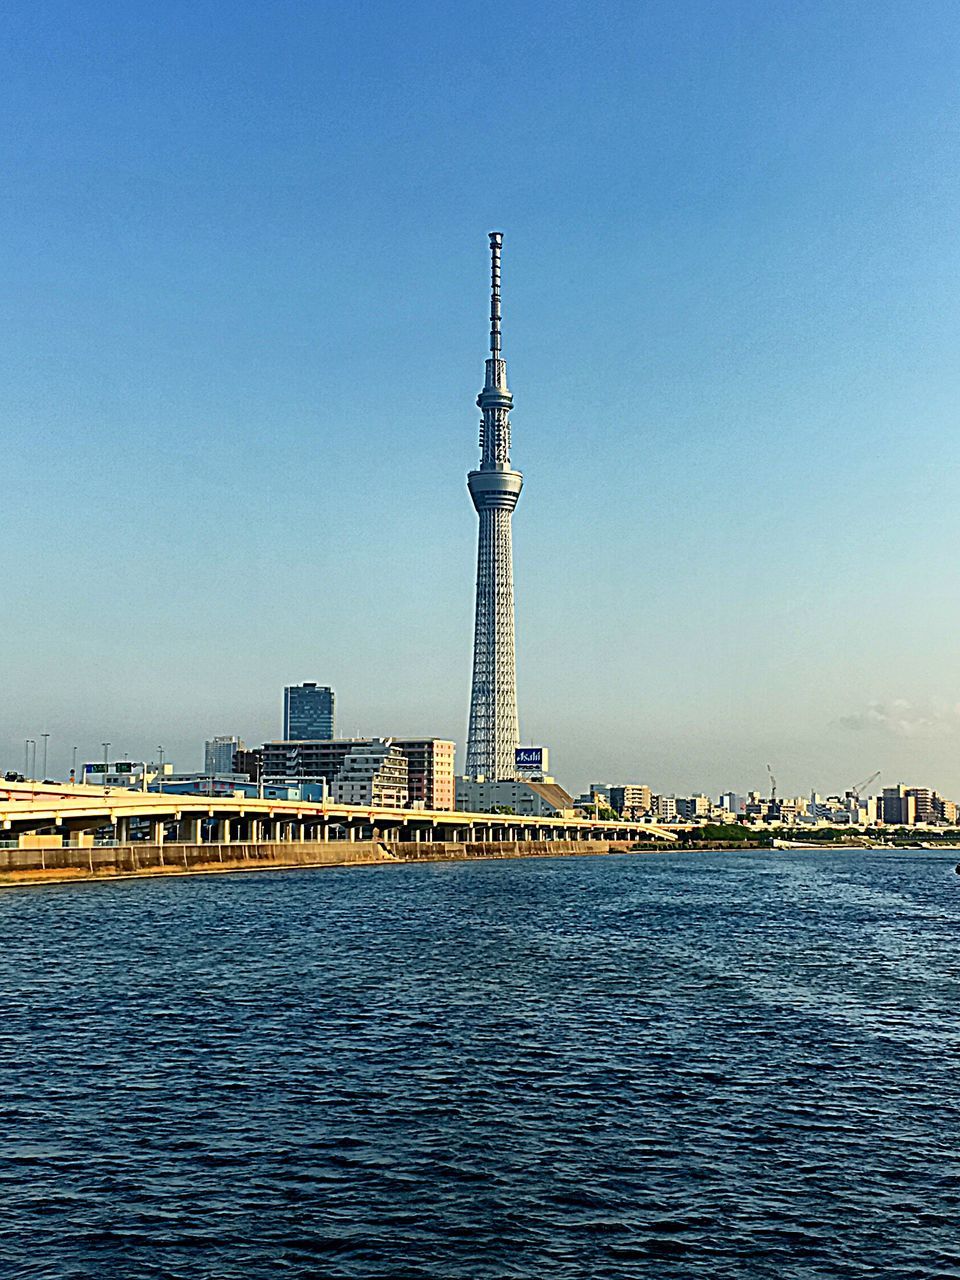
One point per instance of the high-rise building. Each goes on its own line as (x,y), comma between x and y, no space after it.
(494,733)
(218,754)
(308,712)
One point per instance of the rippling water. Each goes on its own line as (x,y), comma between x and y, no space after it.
(663,1066)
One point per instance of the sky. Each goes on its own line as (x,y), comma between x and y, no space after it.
(243,317)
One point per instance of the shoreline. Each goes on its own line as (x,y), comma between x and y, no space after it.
(99,863)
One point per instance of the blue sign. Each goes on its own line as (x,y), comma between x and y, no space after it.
(530,758)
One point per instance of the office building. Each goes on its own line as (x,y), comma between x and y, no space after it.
(308,712)
(218,754)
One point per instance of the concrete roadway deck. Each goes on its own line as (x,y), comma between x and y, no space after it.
(29,809)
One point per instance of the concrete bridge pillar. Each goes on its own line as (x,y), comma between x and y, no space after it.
(158,830)
(223,831)
(121,831)
(191,830)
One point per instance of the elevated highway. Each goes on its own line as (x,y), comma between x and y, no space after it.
(71,813)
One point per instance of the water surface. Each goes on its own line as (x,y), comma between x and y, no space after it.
(668,1066)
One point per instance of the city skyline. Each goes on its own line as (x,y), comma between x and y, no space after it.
(732,311)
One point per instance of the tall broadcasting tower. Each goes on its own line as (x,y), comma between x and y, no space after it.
(493,734)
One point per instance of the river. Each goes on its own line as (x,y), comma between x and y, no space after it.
(667,1066)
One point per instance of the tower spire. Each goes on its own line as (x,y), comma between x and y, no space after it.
(493,734)
(496,244)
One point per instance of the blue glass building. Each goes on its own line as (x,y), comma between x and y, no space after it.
(308,712)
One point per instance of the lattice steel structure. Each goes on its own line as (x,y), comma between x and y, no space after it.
(493,733)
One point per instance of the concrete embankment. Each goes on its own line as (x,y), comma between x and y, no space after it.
(104,862)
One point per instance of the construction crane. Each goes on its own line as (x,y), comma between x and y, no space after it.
(862,786)
(773,786)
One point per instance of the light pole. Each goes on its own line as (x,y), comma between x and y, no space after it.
(106,748)
(46,739)
(33,759)
(74,769)
(26,756)
(160,749)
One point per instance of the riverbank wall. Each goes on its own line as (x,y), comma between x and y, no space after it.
(47,865)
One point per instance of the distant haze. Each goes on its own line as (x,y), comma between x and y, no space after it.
(245,319)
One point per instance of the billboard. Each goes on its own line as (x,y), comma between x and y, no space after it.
(530,760)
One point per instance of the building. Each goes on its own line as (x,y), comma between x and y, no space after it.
(898,806)
(732,803)
(218,754)
(665,808)
(248,763)
(493,733)
(513,795)
(374,772)
(358,770)
(690,807)
(926,803)
(430,771)
(308,712)
(632,800)
(226,784)
(947,811)
(203,784)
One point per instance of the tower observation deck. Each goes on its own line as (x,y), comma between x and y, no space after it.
(493,733)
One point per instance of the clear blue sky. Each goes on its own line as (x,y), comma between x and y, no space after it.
(243,312)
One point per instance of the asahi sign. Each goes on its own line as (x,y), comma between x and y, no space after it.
(530,761)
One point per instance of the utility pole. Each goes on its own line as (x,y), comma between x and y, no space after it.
(46,739)
(160,788)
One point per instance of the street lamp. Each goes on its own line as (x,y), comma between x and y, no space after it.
(160,749)
(26,756)
(46,739)
(106,748)
(74,769)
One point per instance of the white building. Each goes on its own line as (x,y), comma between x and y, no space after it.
(218,754)
(526,799)
(374,772)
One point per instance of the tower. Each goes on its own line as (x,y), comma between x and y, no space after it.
(493,733)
